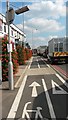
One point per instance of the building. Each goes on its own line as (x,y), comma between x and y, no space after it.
(15,33)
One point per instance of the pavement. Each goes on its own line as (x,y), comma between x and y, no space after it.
(7,96)
(17,77)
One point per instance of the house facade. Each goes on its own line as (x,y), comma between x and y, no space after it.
(15,32)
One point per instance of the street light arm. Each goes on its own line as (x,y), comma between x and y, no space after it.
(22,10)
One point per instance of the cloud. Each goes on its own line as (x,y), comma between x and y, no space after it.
(43,15)
(37,41)
(47,9)
(22,1)
(54,36)
(43,25)
(40,41)
(46,16)
(60,2)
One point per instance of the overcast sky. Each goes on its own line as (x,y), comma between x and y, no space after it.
(44,20)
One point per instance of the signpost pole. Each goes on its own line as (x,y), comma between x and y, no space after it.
(10,64)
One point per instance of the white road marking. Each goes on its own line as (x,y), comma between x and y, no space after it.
(61,91)
(26,112)
(30,63)
(62,80)
(34,90)
(67,118)
(45,63)
(48,100)
(14,107)
(48,65)
(17,83)
(38,64)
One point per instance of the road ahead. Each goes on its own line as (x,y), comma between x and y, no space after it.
(42,94)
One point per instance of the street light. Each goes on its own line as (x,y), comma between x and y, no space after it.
(10,64)
(33,36)
(9,21)
(21,10)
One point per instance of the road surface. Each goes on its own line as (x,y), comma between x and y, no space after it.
(42,94)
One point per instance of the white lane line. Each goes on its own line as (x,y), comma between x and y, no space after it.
(45,63)
(48,65)
(15,105)
(62,80)
(30,63)
(48,100)
(67,117)
(38,64)
(17,83)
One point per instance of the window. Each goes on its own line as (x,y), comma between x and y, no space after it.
(5,28)
(56,47)
(12,32)
(61,47)
(17,34)
(0,25)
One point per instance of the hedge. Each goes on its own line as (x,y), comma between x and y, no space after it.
(19,57)
(5,59)
(23,54)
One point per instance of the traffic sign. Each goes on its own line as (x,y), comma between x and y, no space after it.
(10,15)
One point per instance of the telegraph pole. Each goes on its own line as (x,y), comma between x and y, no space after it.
(10,64)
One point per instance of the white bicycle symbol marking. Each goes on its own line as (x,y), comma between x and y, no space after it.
(26,112)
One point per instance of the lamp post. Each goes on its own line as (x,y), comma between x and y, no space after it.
(9,19)
(10,64)
(22,10)
(33,36)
